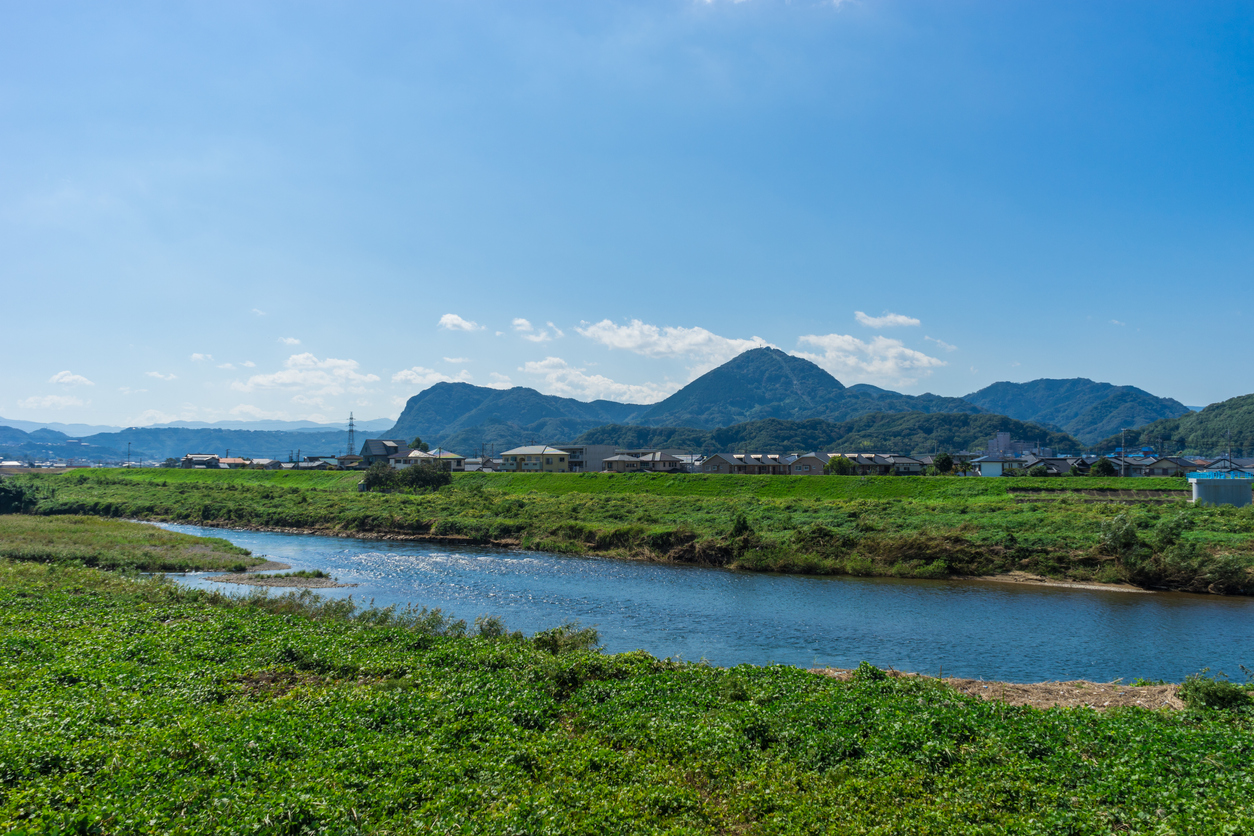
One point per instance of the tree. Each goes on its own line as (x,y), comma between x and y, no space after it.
(840,466)
(943,463)
(1103,467)
(964,466)
(1038,470)
(1075,471)
(171,462)
(419,444)
(424,477)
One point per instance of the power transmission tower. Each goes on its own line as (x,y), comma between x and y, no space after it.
(352,445)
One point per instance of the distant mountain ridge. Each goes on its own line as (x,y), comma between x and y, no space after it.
(760,383)
(1085,408)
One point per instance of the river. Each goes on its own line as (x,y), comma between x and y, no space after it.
(973,629)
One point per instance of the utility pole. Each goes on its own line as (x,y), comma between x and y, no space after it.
(128,455)
(1123,440)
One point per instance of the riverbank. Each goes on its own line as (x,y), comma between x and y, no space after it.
(195,712)
(861,526)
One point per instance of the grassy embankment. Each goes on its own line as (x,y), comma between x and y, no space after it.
(115,544)
(907,527)
(133,706)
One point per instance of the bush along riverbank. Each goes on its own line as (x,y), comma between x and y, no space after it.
(891,526)
(138,707)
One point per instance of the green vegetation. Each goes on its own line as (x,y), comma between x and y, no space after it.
(414,479)
(137,707)
(1082,407)
(115,544)
(916,432)
(894,526)
(1209,432)
(315,574)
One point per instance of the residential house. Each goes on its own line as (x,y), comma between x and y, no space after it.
(622,463)
(483,464)
(443,459)
(660,462)
(200,461)
(719,463)
(995,465)
(233,462)
(264,464)
(808,464)
(587,458)
(382,449)
(536,458)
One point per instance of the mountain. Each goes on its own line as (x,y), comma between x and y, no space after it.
(758,384)
(70,430)
(898,432)
(769,383)
(1085,408)
(1205,432)
(460,416)
(160,443)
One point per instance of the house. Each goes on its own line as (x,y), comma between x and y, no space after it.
(349,461)
(446,460)
(587,458)
(808,464)
(718,463)
(381,449)
(660,462)
(264,464)
(622,463)
(482,465)
(536,458)
(872,464)
(199,461)
(995,465)
(233,462)
(906,465)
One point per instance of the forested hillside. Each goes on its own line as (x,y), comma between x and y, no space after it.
(906,433)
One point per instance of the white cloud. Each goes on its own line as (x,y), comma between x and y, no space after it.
(226,365)
(1117,322)
(499,381)
(453,322)
(248,364)
(250,411)
(456,361)
(156,416)
(942,344)
(307,372)
(888,320)
(160,376)
(528,332)
(289,341)
(126,390)
(704,349)
(68,378)
(259,312)
(561,378)
(50,402)
(196,358)
(423,378)
(882,360)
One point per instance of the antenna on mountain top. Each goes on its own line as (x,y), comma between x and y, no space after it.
(351,432)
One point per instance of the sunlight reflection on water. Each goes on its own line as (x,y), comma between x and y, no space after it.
(982,630)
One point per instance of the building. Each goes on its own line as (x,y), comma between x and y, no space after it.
(587,458)
(233,462)
(200,461)
(808,464)
(536,458)
(995,465)
(382,449)
(443,459)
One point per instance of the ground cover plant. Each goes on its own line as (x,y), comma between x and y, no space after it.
(132,706)
(115,544)
(908,527)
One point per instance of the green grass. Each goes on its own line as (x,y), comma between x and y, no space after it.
(136,707)
(115,544)
(891,526)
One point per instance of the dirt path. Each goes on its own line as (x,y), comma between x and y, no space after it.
(1074,694)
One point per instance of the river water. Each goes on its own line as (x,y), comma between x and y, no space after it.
(967,628)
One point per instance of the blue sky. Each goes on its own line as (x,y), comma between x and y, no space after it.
(293,210)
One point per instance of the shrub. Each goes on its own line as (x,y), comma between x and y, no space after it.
(1201,692)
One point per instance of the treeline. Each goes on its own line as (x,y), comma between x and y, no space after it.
(899,432)
(1209,432)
